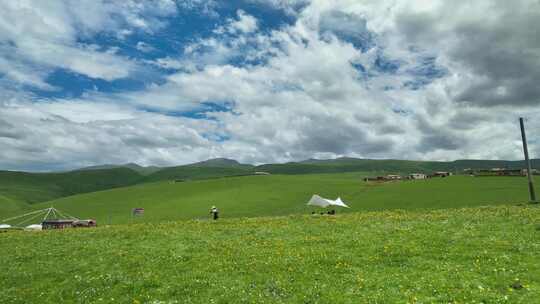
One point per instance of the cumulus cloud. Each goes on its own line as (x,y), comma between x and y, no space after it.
(244,24)
(144,47)
(70,134)
(428,80)
(498,55)
(38,37)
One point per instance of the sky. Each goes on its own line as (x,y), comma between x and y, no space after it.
(170,82)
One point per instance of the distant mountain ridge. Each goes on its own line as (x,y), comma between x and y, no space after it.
(347,164)
(220,162)
(343,163)
(144,170)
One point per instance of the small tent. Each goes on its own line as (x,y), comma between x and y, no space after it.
(318,201)
(33,227)
(5,226)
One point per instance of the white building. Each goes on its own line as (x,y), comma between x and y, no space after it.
(417,176)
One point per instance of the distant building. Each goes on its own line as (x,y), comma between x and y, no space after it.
(498,172)
(67,223)
(442,174)
(389,177)
(137,211)
(261,173)
(56,224)
(417,176)
(374,179)
(533,171)
(85,223)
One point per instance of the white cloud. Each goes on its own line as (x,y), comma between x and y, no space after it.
(71,134)
(245,23)
(144,47)
(44,35)
(170,63)
(299,95)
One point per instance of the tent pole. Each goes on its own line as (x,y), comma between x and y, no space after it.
(19,216)
(28,219)
(46,215)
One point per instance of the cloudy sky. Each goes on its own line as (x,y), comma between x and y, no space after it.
(168,82)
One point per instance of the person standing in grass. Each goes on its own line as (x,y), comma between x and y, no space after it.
(215,212)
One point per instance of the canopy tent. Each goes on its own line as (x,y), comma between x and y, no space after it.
(4,226)
(324,202)
(339,202)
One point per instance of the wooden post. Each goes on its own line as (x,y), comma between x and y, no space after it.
(527,162)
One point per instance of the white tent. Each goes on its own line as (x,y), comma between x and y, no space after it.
(324,202)
(33,227)
(339,202)
(4,226)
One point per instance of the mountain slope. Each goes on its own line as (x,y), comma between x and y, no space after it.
(30,188)
(17,189)
(221,163)
(144,170)
(386,165)
(192,172)
(269,195)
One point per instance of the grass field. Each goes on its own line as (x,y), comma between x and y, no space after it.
(272,195)
(18,190)
(474,255)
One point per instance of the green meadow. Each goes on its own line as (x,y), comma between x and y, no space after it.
(272,195)
(459,239)
(471,255)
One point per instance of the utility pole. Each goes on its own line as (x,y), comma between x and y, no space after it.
(527,162)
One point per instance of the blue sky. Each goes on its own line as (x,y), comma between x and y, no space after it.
(175,33)
(170,82)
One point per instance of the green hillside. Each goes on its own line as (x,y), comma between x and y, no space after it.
(143,170)
(193,172)
(11,206)
(478,255)
(270,195)
(387,165)
(221,163)
(30,188)
(17,189)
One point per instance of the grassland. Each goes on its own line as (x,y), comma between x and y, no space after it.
(473,255)
(272,195)
(346,164)
(20,189)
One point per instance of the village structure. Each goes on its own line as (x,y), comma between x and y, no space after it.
(468,171)
(500,172)
(411,176)
(44,219)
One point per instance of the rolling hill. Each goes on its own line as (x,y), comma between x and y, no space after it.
(144,170)
(346,164)
(222,163)
(19,189)
(251,196)
(213,168)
